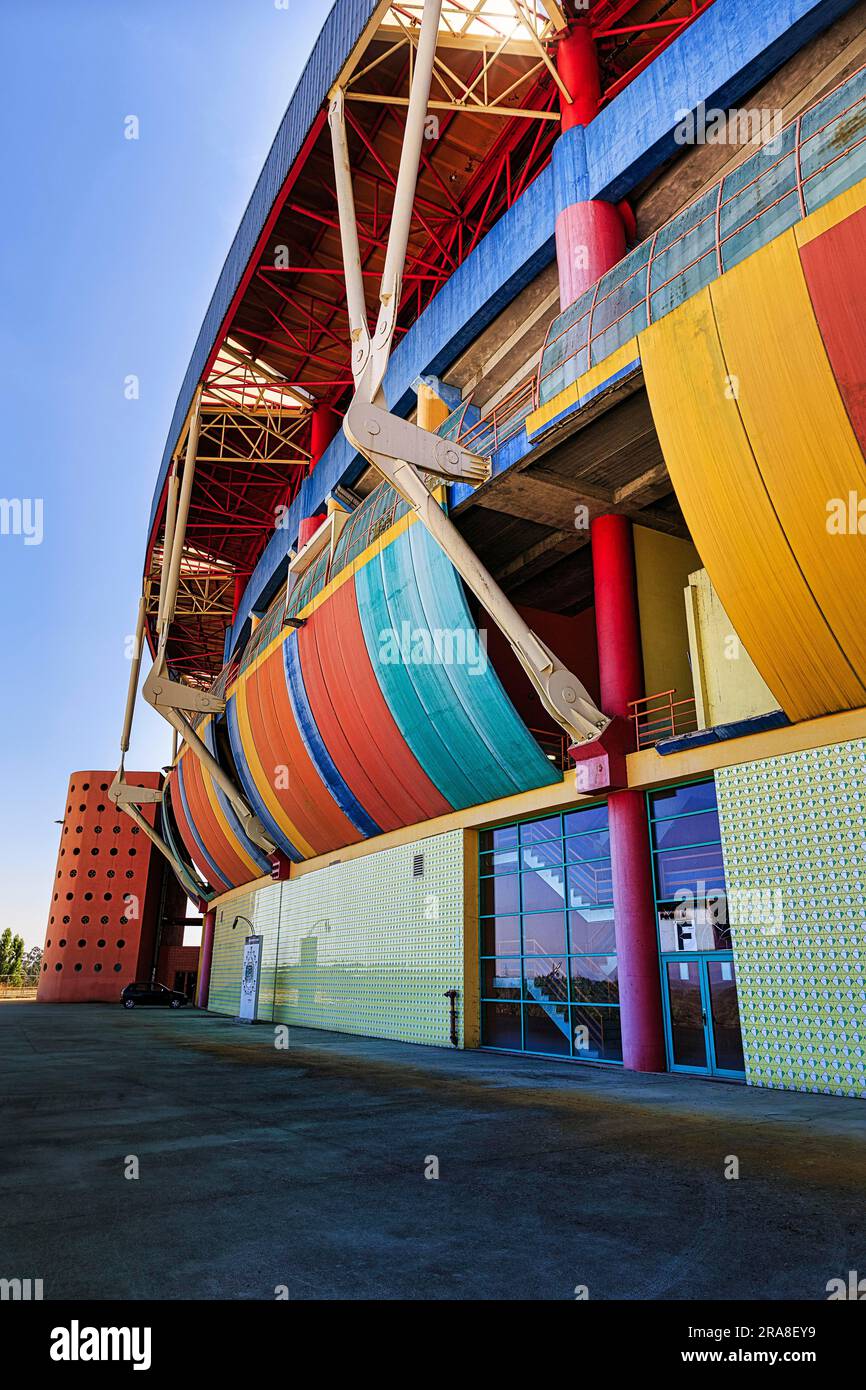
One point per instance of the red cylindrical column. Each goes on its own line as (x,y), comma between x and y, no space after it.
(621,679)
(324,424)
(204,959)
(616,614)
(590,235)
(240,585)
(590,239)
(577,65)
(637,957)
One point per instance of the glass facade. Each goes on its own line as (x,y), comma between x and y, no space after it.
(548,954)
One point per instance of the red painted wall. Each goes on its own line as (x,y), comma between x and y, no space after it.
(174,958)
(105,897)
(573,641)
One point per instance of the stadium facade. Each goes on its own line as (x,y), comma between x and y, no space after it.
(505,574)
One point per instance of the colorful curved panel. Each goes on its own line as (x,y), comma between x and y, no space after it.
(208,824)
(755,387)
(379,712)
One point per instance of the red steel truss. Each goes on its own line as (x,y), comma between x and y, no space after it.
(289,312)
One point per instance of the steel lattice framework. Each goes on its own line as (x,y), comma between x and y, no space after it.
(284,346)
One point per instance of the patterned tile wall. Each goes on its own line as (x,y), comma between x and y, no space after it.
(362,947)
(794,841)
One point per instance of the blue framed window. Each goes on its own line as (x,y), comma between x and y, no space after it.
(688,869)
(548,954)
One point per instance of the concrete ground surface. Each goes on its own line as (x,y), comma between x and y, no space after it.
(305,1168)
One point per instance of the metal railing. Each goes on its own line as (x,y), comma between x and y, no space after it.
(487,434)
(660,716)
(554,746)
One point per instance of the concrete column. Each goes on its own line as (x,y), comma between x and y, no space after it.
(590,234)
(205,957)
(621,680)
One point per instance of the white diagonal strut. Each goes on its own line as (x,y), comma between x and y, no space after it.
(401,451)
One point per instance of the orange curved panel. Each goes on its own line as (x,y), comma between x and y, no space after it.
(349,729)
(334,826)
(206,820)
(361,710)
(804,446)
(731,517)
(293,799)
(306,799)
(203,862)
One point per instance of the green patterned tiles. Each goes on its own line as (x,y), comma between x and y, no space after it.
(368,946)
(794,841)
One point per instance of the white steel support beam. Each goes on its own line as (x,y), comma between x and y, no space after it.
(173,700)
(401,451)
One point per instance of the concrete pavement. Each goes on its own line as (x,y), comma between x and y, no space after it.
(305,1168)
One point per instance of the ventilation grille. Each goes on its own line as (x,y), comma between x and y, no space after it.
(417,866)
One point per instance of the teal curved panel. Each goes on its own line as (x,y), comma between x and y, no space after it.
(472,754)
(381,615)
(502,741)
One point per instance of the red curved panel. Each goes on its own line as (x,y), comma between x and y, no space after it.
(307,801)
(834,265)
(218,847)
(187,834)
(355,721)
(334,826)
(278,747)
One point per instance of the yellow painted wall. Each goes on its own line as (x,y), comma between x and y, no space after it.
(728,686)
(663,564)
(364,946)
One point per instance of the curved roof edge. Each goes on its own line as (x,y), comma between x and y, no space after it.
(341,31)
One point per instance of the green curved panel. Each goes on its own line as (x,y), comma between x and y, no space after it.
(382,612)
(502,743)
(460,726)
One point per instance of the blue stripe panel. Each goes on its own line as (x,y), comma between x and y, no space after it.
(180,852)
(251,791)
(511,751)
(257,855)
(208,865)
(315,745)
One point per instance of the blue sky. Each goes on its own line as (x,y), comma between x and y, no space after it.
(111,249)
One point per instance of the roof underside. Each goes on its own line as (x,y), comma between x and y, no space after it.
(284,346)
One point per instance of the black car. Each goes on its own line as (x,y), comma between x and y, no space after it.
(159,995)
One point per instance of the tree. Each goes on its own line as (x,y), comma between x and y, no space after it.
(5,954)
(16,960)
(32,964)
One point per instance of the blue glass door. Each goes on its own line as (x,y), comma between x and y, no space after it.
(702,1015)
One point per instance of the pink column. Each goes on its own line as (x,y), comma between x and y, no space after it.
(205,957)
(621,680)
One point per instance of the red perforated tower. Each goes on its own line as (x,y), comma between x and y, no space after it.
(105,900)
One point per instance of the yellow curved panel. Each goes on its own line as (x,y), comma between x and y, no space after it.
(260,778)
(798,427)
(222,820)
(733,524)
